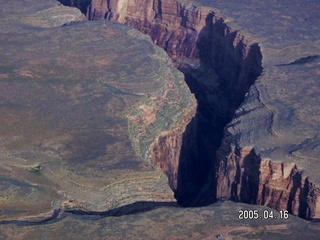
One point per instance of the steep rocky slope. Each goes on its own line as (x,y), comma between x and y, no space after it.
(80,119)
(269,153)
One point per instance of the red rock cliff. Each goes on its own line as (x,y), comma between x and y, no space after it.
(245,177)
(188,30)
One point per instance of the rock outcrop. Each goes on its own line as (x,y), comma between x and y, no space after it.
(273,121)
(245,177)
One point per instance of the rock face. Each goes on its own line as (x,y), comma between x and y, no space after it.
(80,121)
(245,177)
(275,129)
(269,154)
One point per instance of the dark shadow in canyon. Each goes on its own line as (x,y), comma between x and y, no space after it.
(250,178)
(53,218)
(245,185)
(304,209)
(129,209)
(219,84)
(82,5)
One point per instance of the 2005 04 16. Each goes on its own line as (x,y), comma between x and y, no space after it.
(265,214)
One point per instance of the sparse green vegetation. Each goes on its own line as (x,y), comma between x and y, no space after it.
(36,168)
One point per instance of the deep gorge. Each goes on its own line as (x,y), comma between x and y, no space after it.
(220,65)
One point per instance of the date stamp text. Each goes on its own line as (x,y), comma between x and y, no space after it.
(262,214)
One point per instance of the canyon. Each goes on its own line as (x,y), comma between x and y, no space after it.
(104,134)
(230,152)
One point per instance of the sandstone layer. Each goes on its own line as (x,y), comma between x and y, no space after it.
(270,149)
(79,118)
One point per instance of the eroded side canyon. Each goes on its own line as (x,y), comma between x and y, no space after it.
(220,65)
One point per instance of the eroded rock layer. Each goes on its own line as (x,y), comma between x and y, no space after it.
(277,122)
(80,119)
(245,177)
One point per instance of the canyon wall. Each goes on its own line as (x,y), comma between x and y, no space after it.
(246,177)
(188,30)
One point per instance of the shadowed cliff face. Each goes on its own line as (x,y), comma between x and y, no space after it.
(81,4)
(220,65)
(227,70)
